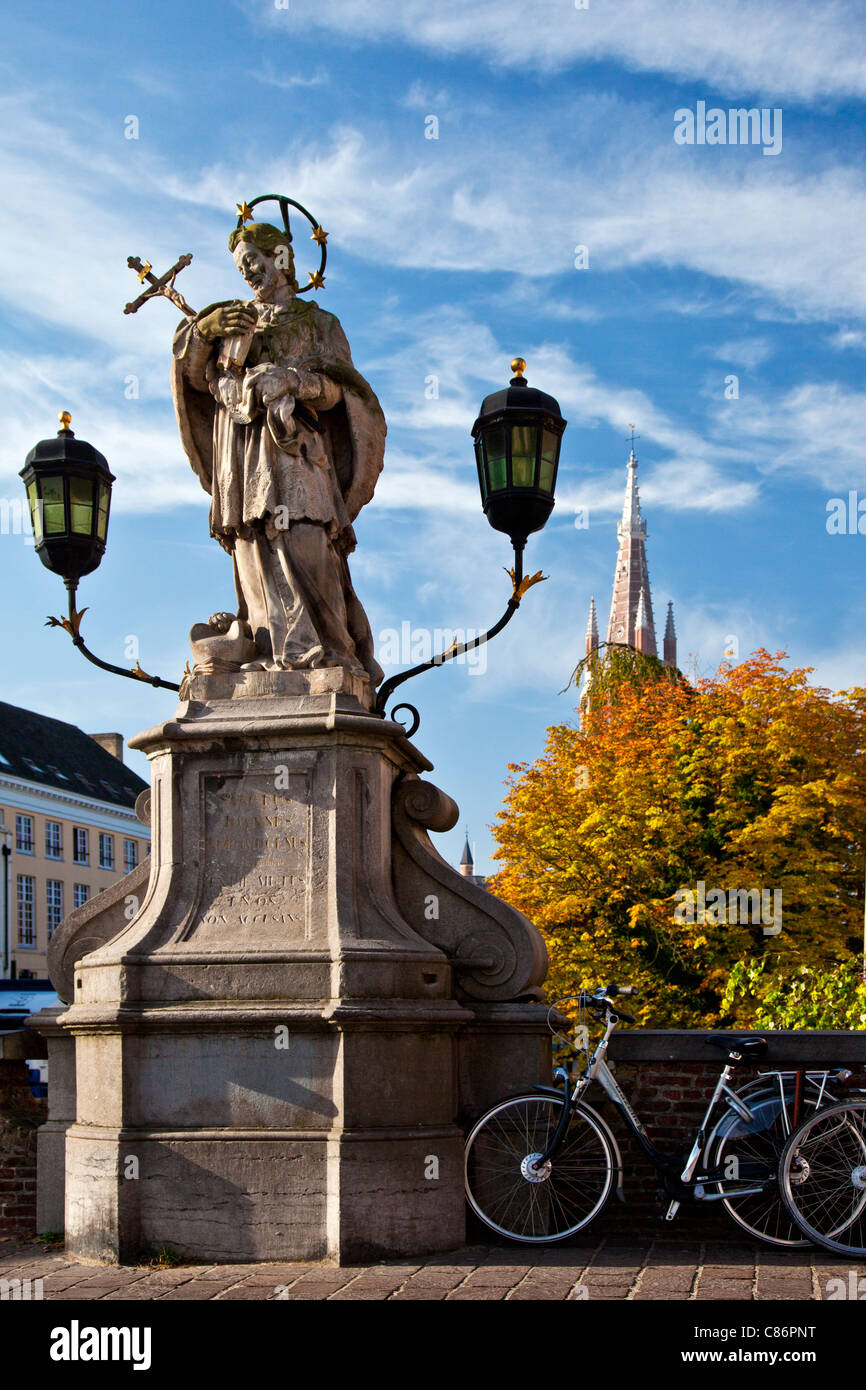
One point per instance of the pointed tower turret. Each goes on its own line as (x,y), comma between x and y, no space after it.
(632,576)
(591,629)
(467,863)
(643,637)
(670,638)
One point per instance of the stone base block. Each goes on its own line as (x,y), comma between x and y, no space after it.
(245,1197)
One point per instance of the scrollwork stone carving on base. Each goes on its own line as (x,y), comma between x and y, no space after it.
(496,953)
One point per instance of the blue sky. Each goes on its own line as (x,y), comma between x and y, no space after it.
(446,257)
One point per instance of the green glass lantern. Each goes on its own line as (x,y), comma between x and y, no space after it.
(68,485)
(517,436)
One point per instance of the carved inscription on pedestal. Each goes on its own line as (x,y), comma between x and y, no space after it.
(257,853)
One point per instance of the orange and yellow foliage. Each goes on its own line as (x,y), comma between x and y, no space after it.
(753,779)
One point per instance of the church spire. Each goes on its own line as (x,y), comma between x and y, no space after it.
(631,579)
(591,629)
(670,638)
(467,863)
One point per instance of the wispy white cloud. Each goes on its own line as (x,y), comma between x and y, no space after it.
(745,352)
(812,431)
(780,48)
(270,78)
(847,338)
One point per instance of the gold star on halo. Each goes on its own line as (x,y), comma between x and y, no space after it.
(317,279)
(320,236)
(245,212)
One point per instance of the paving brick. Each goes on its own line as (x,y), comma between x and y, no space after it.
(568,1277)
(729,1289)
(352,1294)
(196,1291)
(436,1279)
(785,1288)
(539,1293)
(57,1282)
(720,1271)
(322,1272)
(138,1291)
(494,1276)
(309,1292)
(663,1279)
(428,1294)
(483,1293)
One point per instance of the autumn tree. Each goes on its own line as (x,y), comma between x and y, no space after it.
(683,829)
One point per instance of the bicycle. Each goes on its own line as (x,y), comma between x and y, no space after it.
(541,1165)
(822,1178)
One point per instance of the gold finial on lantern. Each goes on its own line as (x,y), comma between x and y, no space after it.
(65,419)
(518,366)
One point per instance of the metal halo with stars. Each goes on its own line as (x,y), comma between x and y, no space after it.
(320,236)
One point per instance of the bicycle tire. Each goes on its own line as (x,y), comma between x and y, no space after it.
(538,1206)
(759,1144)
(822,1178)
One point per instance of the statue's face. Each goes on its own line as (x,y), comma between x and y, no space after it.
(260,270)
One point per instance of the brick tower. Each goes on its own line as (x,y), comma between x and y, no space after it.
(631,622)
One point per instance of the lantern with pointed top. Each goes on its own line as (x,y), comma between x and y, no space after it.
(517,436)
(68,486)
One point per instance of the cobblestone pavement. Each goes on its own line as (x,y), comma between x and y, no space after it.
(659,1270)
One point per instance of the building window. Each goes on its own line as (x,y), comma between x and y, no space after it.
(53,839)
(130,856)
(54,903)
(24,834)
(79,846)
(26,922)
(80,894)
(106,851)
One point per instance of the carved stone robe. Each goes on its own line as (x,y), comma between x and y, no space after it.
(286,479)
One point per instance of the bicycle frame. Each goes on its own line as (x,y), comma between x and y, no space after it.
(685,1182)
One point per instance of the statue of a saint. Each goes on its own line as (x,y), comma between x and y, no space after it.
(288,439)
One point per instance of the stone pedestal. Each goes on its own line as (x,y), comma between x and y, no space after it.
(51,1139)
(275,1057)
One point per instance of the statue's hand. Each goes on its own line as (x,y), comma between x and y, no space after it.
(229,321)
(272,382)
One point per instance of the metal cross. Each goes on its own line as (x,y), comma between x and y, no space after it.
(160,284)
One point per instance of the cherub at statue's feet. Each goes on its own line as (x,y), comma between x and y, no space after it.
(223,643)
(221,622)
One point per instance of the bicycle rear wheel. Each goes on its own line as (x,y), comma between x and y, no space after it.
(822,1178)
(752,1149)
(534,1204)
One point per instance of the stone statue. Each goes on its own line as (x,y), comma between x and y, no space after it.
(288,439)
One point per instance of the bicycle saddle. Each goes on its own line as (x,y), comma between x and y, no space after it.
(740,1047)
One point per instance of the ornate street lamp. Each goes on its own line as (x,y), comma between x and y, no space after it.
(68,485)
(517,436)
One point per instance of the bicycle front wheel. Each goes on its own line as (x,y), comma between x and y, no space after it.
(517,1197)
(822,1178)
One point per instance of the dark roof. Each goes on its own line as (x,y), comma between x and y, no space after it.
(44,750)
(466,857)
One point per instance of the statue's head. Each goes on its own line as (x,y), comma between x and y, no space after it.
(263,255)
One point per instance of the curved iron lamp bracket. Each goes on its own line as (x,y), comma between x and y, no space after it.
(72,625)
(519,586)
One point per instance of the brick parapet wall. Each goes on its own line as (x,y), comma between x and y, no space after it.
(668,1078)
(21,1114)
